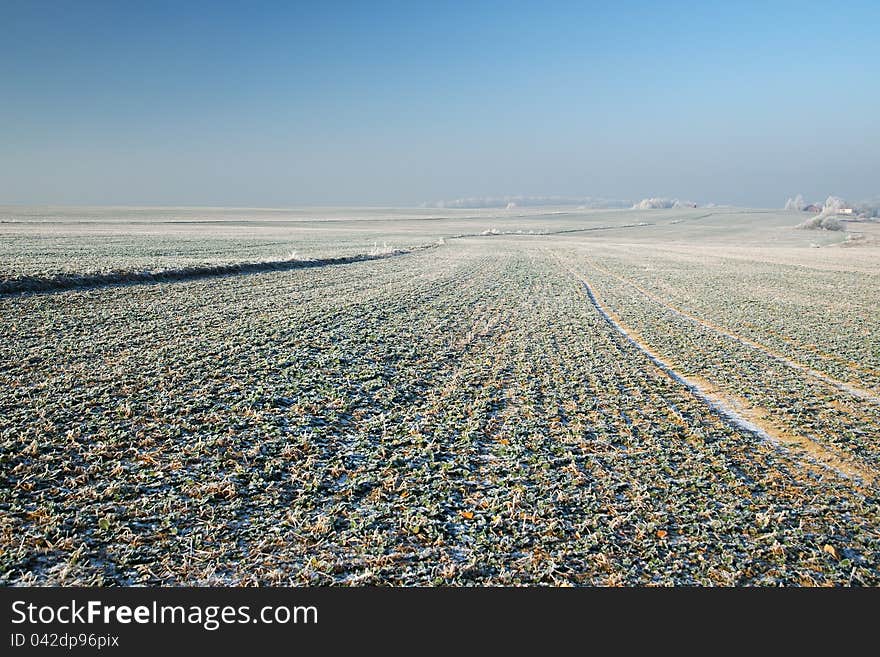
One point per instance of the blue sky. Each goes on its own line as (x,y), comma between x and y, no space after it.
(283,104)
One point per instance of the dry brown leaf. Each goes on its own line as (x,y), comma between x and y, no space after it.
(830,549)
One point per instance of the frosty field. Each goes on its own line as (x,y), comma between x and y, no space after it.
(545,396)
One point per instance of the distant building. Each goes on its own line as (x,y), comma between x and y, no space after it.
(812,207)
(844,211)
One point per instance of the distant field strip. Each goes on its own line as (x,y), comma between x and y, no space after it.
(862,394)
(565,231)
(59,282)
(543,233)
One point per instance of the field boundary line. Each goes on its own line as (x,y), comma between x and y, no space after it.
(63,282)
(563,231)
(855,391)
(721,407)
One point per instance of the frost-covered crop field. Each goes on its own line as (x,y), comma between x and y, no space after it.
(546,396)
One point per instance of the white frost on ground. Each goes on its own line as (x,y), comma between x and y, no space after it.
(728,415)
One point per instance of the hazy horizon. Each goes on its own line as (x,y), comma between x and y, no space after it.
(347,105)
(431,206)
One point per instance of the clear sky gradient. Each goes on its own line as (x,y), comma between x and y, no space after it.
(285,104)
